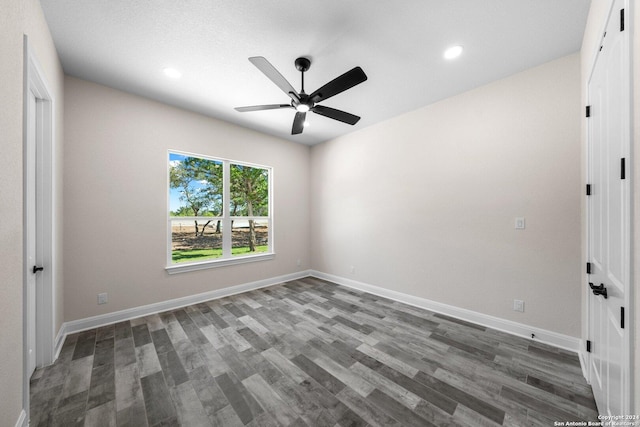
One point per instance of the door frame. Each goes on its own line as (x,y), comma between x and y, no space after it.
(34,81)
(630,291)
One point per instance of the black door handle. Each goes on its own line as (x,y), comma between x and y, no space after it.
(36,269)
(599,290)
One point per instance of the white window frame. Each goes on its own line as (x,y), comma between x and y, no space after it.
(226,220)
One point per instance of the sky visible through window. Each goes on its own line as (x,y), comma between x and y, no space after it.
(174,193)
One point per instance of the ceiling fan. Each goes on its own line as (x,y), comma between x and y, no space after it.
(302,102)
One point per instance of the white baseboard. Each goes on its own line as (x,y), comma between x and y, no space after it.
(146,310)
(584,362)
(57,345)
(22,419)
(548,337)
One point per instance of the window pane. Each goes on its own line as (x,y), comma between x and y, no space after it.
(249,191)
(195,186)
(249,237)
(193,241)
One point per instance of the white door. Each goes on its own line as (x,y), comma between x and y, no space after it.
(31,229)
(608,210)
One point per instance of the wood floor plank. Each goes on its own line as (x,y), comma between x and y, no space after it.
(306,353)
(72,410)
(433,395)
(141,335)
(174,372)
(309,410)
(253,339)
(147,359)
(261,365)
(211,359)
(157,400)
(189,409)
(103,386)
(128,388)
(125,352)
(372,414)
(132,416)
(190,354)
(161,341)
(397,410)
(270,400)
(346,376)
(211,397)
(79,378)
(227,417)
(237,364)
(388,360)
(285,366)
(409,399)
(122,330)
(323,377)
(240,399)
(101,416)
(85,344)
(254,325)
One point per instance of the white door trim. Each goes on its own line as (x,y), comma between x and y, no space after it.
(34,82)
(630,291)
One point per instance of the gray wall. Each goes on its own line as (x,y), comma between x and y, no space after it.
(115,199)
(425,203)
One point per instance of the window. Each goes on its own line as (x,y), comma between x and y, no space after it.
(219,212)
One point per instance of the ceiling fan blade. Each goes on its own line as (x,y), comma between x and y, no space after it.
(334,114)
(346,81)
(274,75)
(262,107)
(298,123)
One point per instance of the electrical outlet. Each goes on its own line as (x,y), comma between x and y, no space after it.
(520,223)
(103,298)
(352,270)
(518,305)
(298,262)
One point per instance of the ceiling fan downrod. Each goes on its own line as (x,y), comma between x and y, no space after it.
(302,65)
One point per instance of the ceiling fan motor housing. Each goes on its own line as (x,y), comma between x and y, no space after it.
(304,100)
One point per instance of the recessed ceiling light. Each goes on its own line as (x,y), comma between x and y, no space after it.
(171,73)
(306,123)
(453,52)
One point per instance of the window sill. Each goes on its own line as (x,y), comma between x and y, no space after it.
(184,268)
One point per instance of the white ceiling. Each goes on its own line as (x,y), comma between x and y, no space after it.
(125,44)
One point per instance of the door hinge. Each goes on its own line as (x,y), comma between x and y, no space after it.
(622,168)
(588,346)
(621,19)
(588,112)
(588,268)
(621,317)
(588,189)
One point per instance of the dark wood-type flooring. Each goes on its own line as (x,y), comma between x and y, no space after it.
(307,353)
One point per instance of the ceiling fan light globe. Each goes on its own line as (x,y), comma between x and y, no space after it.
(302,108)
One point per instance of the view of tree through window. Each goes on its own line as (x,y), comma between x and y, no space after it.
(203,226)
(249,198)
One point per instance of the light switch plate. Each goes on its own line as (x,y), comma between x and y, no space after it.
(518,305)
(103,298)
(520,223)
